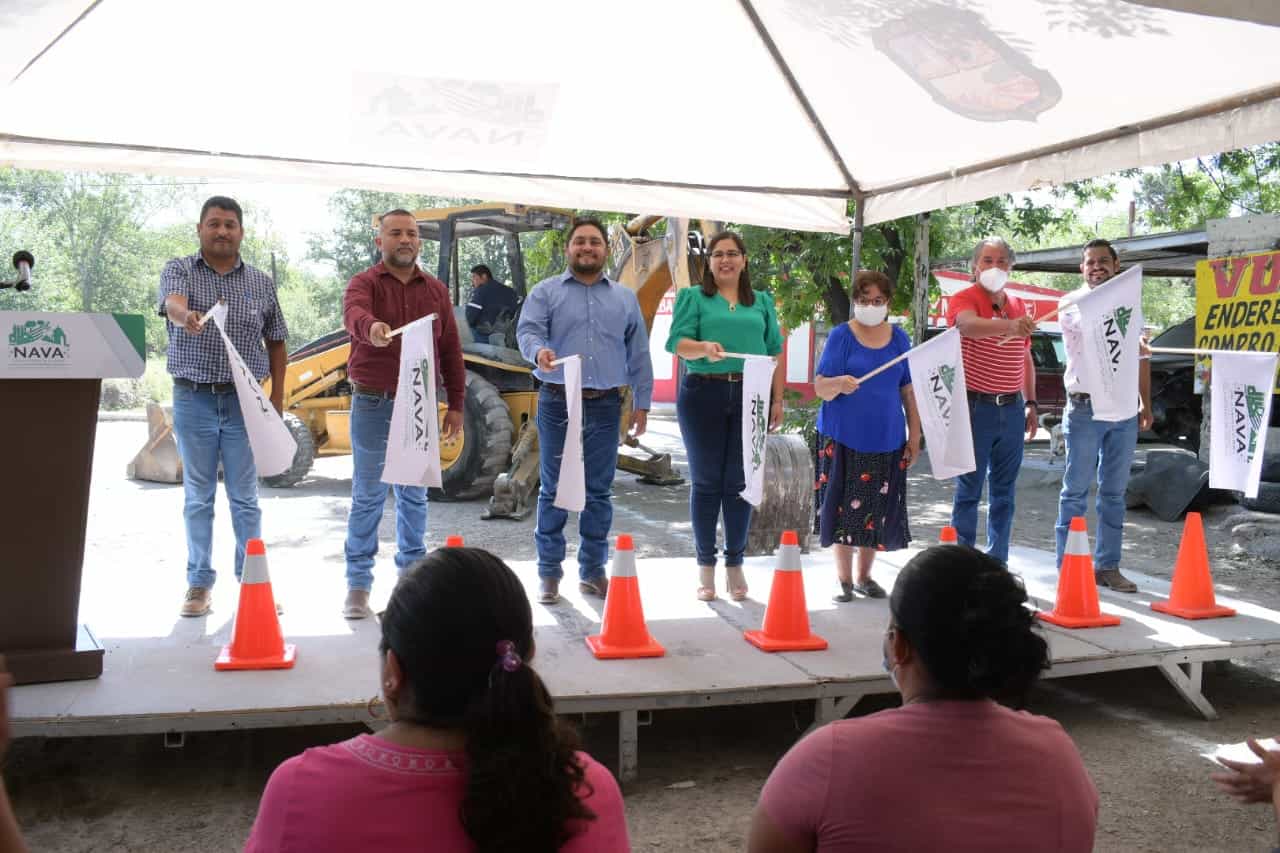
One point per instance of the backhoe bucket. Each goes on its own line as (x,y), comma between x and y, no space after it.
(158,461)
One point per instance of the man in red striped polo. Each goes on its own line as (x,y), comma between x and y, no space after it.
(1001,382)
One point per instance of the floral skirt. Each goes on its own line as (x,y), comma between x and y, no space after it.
(860,499)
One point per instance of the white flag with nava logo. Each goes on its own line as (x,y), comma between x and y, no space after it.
(757,382)
(270,440)
(937,377)
(571,488)
(1240,391)
(1110,329)
(413,441)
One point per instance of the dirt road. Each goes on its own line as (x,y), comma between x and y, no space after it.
(1138,739)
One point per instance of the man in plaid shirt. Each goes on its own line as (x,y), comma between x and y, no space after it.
(206,412)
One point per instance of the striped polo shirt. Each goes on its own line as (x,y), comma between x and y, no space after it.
(989,367)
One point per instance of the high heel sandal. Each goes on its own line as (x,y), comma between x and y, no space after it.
(735,582)
(706,583)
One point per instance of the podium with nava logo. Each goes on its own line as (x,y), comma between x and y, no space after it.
(51,372)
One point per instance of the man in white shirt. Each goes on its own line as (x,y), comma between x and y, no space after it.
(1097,449)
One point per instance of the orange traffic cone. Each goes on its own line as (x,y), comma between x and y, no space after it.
(1077,605)
(256,641)
(623,633)
(454,541)
(1191,596)
(948,536)
(786,619)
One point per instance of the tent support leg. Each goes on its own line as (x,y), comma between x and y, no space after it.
(855,241)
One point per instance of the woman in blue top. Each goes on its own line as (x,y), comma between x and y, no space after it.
(723,315)
(868,436)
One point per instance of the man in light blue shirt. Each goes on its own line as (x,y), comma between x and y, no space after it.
(583,312)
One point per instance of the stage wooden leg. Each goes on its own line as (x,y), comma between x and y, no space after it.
(1187,683)
(628,745)
(831,708)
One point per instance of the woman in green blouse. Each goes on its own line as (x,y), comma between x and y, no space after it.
(723,315)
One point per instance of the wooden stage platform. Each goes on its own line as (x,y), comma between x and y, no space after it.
(159,675)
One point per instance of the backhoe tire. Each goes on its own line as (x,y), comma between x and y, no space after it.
(302,457)
(486,445)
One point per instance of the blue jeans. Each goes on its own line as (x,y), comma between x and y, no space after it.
(209,427)
(710,414)
(370,423)
(600,422)
(997,449)
(1104,448)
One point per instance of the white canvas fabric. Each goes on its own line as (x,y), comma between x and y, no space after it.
(1106,343)
(937,378)
(1240,391)
(571,490)
(1009,93)
(270,440)
(413,440)
(757,378)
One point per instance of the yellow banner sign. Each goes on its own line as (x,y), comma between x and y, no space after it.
(1238,306)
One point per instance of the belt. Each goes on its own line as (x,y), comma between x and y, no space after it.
(996,399)
(210,387)
(587,393)
(1079,397)
(373,392)
(719,377)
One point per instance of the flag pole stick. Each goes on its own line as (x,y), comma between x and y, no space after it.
(395,332)
(1045,318)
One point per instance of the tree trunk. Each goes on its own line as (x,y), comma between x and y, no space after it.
(895,255)
(836,299)
(920,297)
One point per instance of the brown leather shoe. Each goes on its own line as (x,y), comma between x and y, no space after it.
(197,601)
(357,604)
(1112,579)
(598,586)
(550,591)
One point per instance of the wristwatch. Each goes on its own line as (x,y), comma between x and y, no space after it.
(1033,403)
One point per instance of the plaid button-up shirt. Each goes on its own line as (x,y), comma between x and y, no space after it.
(253,314)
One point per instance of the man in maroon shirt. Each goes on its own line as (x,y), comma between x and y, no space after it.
(383,298)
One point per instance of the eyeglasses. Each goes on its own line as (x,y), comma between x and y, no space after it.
(877,301)
(732,255)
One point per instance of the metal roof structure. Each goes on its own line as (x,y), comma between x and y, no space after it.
(1173,254)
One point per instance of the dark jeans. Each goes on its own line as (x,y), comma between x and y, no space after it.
(600,421)
(710,414)
(997,447)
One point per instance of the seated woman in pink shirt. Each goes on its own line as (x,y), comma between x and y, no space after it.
(950,769)
(474,758)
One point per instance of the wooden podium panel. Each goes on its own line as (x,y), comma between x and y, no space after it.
(51,373)
(46,436)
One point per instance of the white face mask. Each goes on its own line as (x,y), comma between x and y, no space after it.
(993,279)
(870,315)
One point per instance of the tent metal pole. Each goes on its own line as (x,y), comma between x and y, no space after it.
(855,241)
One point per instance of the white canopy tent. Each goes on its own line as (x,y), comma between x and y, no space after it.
(772,112)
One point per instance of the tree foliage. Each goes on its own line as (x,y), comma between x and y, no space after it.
(810,272)
(1179,196)
(349,246)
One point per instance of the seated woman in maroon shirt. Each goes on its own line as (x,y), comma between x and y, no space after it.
(950,769)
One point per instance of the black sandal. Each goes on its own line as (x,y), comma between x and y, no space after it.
(846,593)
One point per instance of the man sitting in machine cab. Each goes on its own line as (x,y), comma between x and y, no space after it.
(492,307)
